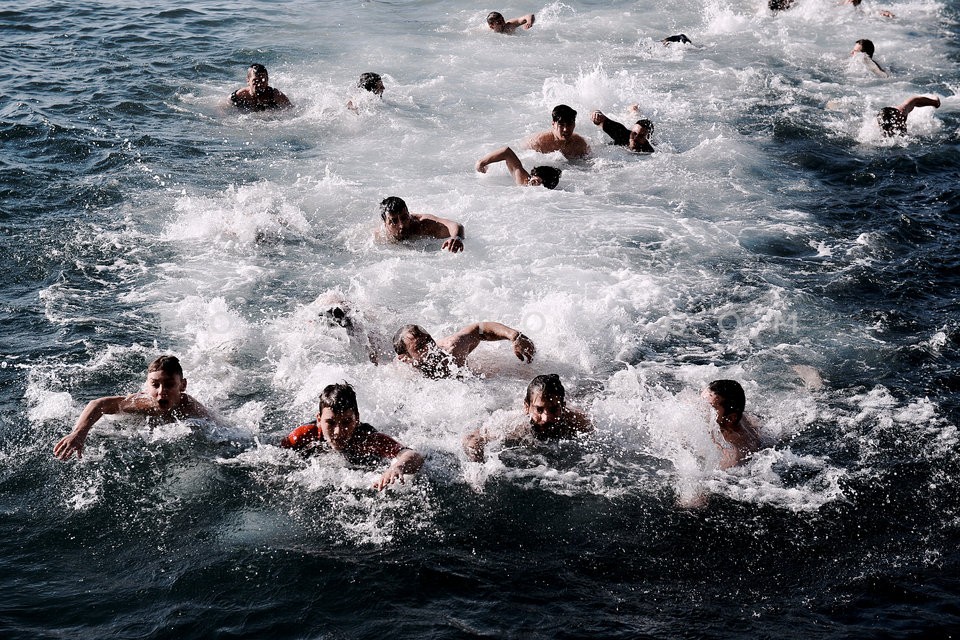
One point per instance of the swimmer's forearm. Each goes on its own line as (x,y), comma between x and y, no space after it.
(408,461)
(491,331)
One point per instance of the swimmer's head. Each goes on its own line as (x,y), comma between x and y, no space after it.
(728,399)
(892,122)
(496,22)
(340,397)
(680,37)
(372,82)
(640,133)
(865,46)
(563,113)
(547,176)
(564,121)
(337,316)
(257,78)
(338,415)
(396,217)
(545,399)
(779,5)
(417,348)
(165,382)
(855,3)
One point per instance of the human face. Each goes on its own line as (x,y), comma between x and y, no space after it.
(257,82)
(856,48)
(167,389)
(543,410)
(399,224)
(337,427)
(725,418)
(563,130)
(498,24)
(420,345)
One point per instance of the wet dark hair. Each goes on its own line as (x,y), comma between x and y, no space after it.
(369,81)
(392,204)
(730,393)
(892,121)
(549,176)
(563,113)
(168,364)
(494,16)
(337,316)
(856,3)
(681,38)
(398,344)
(545,385)
(258,68)
(866,46)
(780,5)
(646,124)
(340,398)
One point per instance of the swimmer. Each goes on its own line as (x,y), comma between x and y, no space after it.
(337,427)
(371,82)
(549,419)
(883,12)
(258,95)
(496,22)
(865,47)
(163,396)
(893,120)
(741,435)
(441,358)
(561,136)
(637,138)
(541,175)
(680,37)
(399,224)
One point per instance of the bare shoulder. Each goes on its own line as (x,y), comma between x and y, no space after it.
(190,407)
(543,142)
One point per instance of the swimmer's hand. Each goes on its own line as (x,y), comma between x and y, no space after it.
(73,441)
(598,118)
(481,166)
(389,476)
(528,21)
(523,348)
(453,245)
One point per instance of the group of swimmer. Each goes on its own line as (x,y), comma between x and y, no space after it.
(337,427)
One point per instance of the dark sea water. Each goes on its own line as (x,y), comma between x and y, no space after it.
(140,215)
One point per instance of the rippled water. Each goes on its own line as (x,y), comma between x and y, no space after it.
(774,228)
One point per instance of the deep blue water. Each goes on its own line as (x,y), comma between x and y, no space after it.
(139,215)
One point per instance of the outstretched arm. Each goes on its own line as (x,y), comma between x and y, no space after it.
(437,227)
(523,21)
(407,461)
(514,166)
(918,101)
(95,409)
(463,342)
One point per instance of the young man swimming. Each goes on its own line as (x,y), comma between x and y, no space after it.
(893,120)
(337,427)
(866,47)
(399,225)
(561,136)
(258,95)
(636,138)
(549,177)
(163,397)
(442,358)
(549,418)
(497,24)
(369,81)
(741,435)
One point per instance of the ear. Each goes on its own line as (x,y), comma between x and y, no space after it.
(183,385)
(526,407)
